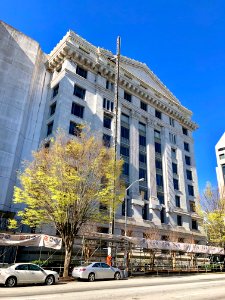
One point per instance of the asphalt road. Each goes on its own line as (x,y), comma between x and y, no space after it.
(193,287)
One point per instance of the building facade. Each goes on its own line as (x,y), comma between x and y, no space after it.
(74,85)
(220,169)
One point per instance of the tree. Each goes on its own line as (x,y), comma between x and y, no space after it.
(213,213)
(65,184)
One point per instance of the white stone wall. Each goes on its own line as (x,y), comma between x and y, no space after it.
(22,100)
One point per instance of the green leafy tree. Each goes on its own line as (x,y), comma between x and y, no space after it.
(65,184)
(213,213)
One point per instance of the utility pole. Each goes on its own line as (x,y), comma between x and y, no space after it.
(116,106)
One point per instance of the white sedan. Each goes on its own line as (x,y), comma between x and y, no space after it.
(96,270)
(26,273)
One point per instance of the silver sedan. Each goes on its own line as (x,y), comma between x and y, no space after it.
(26,273)
(96,270)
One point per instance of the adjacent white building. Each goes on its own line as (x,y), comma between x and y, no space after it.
(220,169)
(74,85)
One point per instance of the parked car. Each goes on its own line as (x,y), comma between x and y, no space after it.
(26,273)
(96,270)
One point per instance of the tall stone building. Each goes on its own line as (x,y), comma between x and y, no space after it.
(74,85)
(220,169)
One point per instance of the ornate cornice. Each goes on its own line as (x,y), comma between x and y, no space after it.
(101,61)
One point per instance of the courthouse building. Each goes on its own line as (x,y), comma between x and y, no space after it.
(74,85)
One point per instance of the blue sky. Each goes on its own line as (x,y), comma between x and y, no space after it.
(182,41)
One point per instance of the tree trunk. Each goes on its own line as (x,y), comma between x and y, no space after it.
(68,254)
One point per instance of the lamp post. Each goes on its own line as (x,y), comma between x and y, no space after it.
(125,221)
(125,226)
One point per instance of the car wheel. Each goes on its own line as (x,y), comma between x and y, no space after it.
(50,279)
(91,277)
(11,281)
(117,276)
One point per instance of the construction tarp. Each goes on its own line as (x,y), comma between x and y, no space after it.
(172,246)
(38,240)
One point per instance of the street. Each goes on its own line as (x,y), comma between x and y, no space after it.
(194,287)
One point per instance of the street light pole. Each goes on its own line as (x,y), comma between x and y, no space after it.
(125,221)
(125,226)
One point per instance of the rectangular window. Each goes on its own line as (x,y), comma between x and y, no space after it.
(50,128)
(173,153)
(125,118)
(186,147)
(142,127)
(143,105)
(145,210)
(142,174)
(179,220)
(157,134)
(127,96)
(171,122)
(222,156)
(158,114)
(126,169)
(124,151)
(52,109)
(158,148)
(107,104)
(77,110)
(125,132)
(107,121)
(177,200)
(163,215)
(174,167)
(194,224)
(189,174)
(160,196)
(172,138)
(192,206)
(109,85)
(158,164)
(187,160)
(185,131)
(82,72)
(55,91)
(142,140)
(190,190)
(143,193)
(106,140)
(176,184)
(142,158)
(79,92)
(75,129)
(159,180)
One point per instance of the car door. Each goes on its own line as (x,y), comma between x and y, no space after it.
(22,273)
(96,268)
(107,271)
(37,274)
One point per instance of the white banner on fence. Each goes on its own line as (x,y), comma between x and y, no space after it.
(37,240)
(184,247)
(172,246)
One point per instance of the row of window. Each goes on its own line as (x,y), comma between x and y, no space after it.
(80,93)
(194,223)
